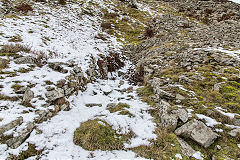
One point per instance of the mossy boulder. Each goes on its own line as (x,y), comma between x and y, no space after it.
(97,135)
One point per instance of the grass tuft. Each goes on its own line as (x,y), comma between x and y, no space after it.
(97,135)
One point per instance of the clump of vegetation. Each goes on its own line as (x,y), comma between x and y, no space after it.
(97,135)
(112,62)
(121,108)
(4,63)
(164,147)
(129,27)
(24,7)
(7,98)
(62,2)
(23,70)
(106,26)
(149,32)
(14,48)
(16,87)
(30,152)
(16,38)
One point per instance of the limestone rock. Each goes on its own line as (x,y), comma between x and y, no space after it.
(162,94)
(61,83)
(77,69)
(55,94)
(187,150)
(218,86)
(25,60)
(67,90)
(167,120)
(197,131)
(23,135)
(65,107)
(181,114)
(28,96)
(234,132)
(180,97)
(170,120)
(236,122)
(57,66)
(11,125)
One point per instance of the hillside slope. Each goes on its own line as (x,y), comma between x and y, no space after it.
(112,79)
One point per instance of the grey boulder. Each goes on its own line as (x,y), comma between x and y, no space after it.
(197,131)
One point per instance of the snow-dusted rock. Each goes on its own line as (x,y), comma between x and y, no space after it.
(57,66)
(170,119)
(234,132)
(17,141)
(28,96)
(25,60)
(11,125)
(197,131)
(180,97)
(55,94)
(77,69)
(161,93)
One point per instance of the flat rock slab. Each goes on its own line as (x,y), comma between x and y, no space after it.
(11,125)
(187,150)
(197,131)
(55,94)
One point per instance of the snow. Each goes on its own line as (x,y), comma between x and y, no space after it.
(238,145)
(197,155)
(236,1)
(219,130)
(232,53)
(230,115)
(209,121)
(178,156)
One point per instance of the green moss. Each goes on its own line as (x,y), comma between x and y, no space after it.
(227,89)
(145,91)
(8,54)
(146,94)
(16,87)
(13,16)
(24,70)
(97,135)
(231,71)
(128,28)
(121,108)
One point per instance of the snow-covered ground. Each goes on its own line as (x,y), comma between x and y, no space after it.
(236,1)
(67,35)
(70,36)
